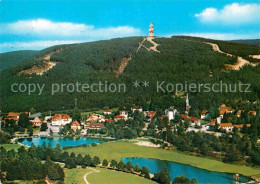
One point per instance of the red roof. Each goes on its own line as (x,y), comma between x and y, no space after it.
(204,112)
(184,116)
(239,112)
(10,114)
(222,112)
(194,119)
(152,113)
(252,112)
(37,119)
(239,126)
(213,122)
(225,124)
(108,120)
(119,117)
(107,110)
(60,116)
(75,123)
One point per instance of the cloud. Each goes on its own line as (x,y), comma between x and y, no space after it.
(221,36)
(47,28)
(231,14)
(55,33)
(33,45)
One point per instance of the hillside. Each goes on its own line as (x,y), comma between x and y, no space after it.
(10,59)
(255,42)
(179,59)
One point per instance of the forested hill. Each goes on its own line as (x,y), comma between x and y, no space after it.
(10,59)
(255,42)
(180,59)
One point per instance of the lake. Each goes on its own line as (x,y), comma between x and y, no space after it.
(63,141)
(177,169)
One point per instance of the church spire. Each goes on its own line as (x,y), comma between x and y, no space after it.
(187,104)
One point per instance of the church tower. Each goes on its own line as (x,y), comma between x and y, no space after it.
(151,30)
(187,104)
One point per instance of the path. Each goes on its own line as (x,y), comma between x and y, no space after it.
(240,61)
(154,47)
(216,48)
(85,176)
(149,39)
(126,60)
(255,56)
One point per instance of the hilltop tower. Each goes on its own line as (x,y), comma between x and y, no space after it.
(151,30)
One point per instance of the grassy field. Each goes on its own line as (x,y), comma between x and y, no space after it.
(10,146)
(117,150)
(73,176)
(115,177)
(76,176)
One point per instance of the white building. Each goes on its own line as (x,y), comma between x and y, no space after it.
(60,119)
(124,113)
(107,112)
(171,112)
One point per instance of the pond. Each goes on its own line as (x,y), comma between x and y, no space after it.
(62,141)
(177,169)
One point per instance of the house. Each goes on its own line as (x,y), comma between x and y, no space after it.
(75,125)
(14,116)
(139,109)
(36,122)
(96,117)
(95,126)
(226,126)
(107,112)
(124,113)
(120,117)
(60,119)
(252,113)
(204,114)
(223,107)
(239,113)
(151,115)
(195,121)
(171,112)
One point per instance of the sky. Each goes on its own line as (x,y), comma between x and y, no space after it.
(37,24)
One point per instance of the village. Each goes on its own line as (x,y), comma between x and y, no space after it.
(94,123)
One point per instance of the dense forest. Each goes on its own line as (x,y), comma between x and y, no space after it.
(255,42)
(10,59)
(179,61)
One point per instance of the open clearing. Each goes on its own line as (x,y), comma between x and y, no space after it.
(105,176)
(10,146)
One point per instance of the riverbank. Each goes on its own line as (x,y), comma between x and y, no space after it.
(121,149)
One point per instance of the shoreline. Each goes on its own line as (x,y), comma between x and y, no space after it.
(172,159)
